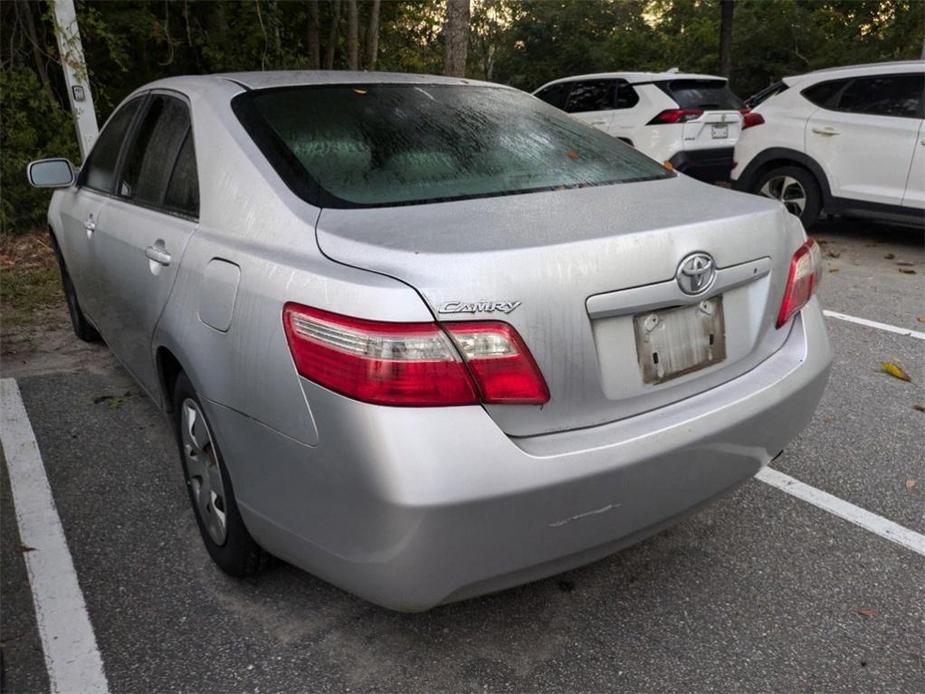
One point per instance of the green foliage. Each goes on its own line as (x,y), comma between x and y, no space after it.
(520,42)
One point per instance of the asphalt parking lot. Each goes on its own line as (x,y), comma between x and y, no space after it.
(761,591)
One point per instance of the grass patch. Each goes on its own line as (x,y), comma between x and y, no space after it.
(29,279)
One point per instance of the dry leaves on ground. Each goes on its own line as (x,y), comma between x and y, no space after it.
(895,370)
(868,612)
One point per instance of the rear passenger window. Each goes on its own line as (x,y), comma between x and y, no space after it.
(100,168)
(825,94)
(884,95)
(555,94)
(626,96)
(593,95)
(150,159)
(183,190)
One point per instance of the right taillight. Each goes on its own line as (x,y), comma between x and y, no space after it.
(676,115)
(413,364)
(750,119)
(802,280)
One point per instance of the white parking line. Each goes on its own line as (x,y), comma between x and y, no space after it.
(71,654)
(874,324)
(878,525)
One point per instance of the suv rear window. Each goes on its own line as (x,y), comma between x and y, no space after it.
(395,144)
(704,94)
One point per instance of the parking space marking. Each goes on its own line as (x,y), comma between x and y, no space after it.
(871,522)
(71,655)
(874,324)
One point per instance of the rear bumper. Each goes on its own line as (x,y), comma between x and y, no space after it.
(708,165)
(410,508)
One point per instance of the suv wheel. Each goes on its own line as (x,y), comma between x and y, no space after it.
(210,492)
(796,188)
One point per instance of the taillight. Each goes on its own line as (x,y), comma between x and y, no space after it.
(676,115)
(750,119)
(804,276)
(413,364)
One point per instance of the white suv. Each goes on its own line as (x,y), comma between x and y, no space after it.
(844,140)
(690,121)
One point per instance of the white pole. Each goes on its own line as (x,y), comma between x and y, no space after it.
(75,74)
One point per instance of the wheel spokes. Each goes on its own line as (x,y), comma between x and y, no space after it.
(203,471)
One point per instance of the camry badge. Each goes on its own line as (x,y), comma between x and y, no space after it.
(696,273)
(478,306)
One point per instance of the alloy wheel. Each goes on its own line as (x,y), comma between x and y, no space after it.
(788,190)
(203,471)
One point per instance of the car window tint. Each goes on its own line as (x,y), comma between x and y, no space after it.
(183,189)
(825,94)
(884,95)
(704,94)
(593,95)
(392,144)
(555,94)
(626,96)
(151,156)
(100,168)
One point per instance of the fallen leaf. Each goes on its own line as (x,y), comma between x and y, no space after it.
(833,269)
(868,612)
(833,254)
(910,484)
(906,270)
(821,242)
(919,406)
(921,319)
(904,263)
(890,256)
(895,370)
(26,548)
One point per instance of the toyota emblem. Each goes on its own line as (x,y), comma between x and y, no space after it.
(696,273)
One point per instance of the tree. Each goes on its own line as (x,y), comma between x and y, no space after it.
(314,35)
(456,33)
(332,37)
(727,10)
(353,35)
(372,38)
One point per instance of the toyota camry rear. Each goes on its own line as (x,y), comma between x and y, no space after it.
(465,341)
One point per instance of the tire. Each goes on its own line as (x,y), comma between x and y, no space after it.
(796,187)
(82,328)
(209,487)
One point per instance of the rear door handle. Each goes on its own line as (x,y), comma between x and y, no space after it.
(828,132)
(158,254)
(90,226)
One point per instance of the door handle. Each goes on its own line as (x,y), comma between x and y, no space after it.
(90,226)
(828,132)
(158,254)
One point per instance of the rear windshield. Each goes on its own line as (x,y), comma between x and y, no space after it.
(704,94)
(378,145)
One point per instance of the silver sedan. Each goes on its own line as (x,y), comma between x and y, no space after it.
(428,338)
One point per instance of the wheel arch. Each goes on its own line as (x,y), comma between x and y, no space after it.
(169,367)
(782,156)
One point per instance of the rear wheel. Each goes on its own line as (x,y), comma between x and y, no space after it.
(796,188)
(210,492)
(82,328)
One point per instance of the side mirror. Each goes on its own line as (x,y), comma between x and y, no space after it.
(50,173)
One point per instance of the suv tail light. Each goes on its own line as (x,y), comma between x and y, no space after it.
(804,276)
(750,119)
(676,115)
(413,364)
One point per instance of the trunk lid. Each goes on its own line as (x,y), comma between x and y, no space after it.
(582,263)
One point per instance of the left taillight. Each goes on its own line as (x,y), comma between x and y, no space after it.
(750,119)
(676,115)
(413,364)
(802,280)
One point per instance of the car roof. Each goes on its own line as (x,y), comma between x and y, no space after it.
(296,78)
(637,77)
(856,70)
(293,78)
